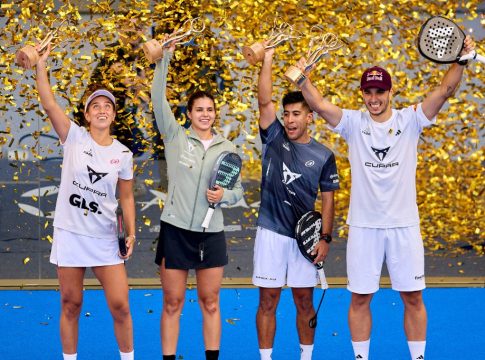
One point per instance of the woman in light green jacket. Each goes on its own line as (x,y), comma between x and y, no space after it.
(183,244)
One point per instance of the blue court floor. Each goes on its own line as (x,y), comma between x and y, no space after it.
(29,326)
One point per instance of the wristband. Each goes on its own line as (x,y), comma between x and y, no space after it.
(326,237)
(463,62)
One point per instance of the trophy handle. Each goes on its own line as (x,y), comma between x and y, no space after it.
(295,75)
(254,53)
(153,50)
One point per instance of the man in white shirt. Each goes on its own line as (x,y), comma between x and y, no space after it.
(383,215)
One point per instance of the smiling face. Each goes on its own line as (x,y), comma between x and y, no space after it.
(296,118)
(100,113)
(202,115)
(378,102)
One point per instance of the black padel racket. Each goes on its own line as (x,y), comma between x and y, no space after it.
(120,230)
(225,173)
(307,235)
(441,40)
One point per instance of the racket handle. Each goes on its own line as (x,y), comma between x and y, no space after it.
(208,216)
(473,56)
(323,280)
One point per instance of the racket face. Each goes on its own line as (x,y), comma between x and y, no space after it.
(307,233)
(440,40)
(226,170)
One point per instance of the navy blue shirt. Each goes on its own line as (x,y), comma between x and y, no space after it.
(292,175)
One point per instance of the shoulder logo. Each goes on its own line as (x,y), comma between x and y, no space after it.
(381,153)
(94,176)
(88,152)
(365,131)
(286,146)
(310,163)
(288,176)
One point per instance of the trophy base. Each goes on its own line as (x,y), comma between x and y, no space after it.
(27,57)
(254,53)
(295,76)
(153,50)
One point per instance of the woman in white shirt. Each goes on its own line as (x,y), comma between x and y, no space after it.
(94,167)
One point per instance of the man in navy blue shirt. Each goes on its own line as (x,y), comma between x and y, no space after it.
(295,167)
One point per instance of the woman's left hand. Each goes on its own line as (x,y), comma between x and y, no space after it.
(130,244)
(214,196)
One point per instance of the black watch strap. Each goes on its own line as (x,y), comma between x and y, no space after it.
(326,237)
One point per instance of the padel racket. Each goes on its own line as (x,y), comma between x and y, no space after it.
(120,230)
(225,173)
(307,235)
(441,40)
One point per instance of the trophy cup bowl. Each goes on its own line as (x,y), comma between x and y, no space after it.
(27,57)
(254,53)
(295,75)
(153,50)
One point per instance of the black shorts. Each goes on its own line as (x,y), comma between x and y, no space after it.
(185,249)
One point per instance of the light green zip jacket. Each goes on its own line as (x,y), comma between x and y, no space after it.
(189,164)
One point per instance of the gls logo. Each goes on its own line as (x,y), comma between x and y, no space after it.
(380,153)
(94,176)
(81,203)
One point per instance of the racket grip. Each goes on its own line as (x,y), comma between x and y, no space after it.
(323,279)
(208,216)
(473,56)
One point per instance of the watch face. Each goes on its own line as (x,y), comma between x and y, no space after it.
(327,238)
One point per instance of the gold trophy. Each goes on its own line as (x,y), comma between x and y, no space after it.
(28,56)
(153,49)
(279,33)
(320,44)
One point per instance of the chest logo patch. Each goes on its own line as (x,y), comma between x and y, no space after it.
(94,176)
(381,153)
(288,176)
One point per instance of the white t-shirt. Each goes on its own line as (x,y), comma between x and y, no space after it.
(86,202)
(383,159)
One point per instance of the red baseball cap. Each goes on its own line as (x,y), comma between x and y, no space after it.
(376,77)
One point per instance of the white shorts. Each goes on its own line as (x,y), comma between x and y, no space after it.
(74,250)
(401,247)
(278,261)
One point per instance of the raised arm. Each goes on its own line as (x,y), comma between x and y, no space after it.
(163,113)
(267,112)
(433,103)
(58,118)
(331,113)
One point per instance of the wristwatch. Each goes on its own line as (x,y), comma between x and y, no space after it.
(326,237)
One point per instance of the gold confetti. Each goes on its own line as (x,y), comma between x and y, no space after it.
(450,187)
